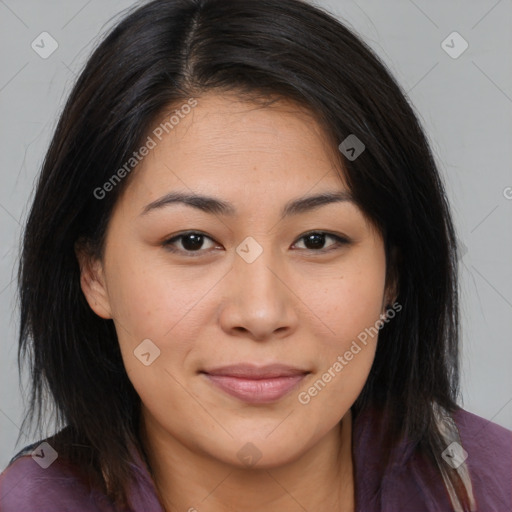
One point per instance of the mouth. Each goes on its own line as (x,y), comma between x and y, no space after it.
(256,385)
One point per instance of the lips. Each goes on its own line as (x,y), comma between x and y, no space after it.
(253,384)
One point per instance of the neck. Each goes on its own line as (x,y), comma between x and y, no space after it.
(321,478)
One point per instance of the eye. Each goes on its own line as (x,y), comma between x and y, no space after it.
(191,242)
(315,241)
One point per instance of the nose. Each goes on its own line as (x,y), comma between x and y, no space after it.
(259,302)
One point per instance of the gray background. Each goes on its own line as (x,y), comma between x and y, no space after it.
(465,105)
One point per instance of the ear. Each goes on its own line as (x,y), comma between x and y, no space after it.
(392,277)
(92,280)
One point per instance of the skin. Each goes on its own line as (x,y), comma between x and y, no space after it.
(293,305)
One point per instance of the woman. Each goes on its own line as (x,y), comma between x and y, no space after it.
(239,281)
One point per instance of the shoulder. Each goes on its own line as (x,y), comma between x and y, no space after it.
(412,478)
(37,478)
(488,448)
(485,440)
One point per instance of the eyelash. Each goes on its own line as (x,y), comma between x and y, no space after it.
(340,242)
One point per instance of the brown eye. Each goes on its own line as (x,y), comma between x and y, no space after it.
(190,242)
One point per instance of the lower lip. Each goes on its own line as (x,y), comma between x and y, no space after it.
(256,391)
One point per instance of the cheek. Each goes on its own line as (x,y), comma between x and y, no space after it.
(151,302)
(345,354)
(349,307)
(149,299)
(149,308)
(351,301)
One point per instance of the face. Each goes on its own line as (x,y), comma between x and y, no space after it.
(240,317)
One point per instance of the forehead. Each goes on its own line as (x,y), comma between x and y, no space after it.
(232,148)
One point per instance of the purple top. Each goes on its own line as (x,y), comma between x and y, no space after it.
(409,483)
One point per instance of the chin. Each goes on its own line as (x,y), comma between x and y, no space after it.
(260,453)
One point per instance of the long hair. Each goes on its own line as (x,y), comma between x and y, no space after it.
(157,57)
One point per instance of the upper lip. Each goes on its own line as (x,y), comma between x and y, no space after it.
(251,371)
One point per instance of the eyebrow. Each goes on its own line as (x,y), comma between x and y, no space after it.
(217,206)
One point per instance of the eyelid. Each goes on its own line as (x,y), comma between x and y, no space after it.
(340,241)
(166,244)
